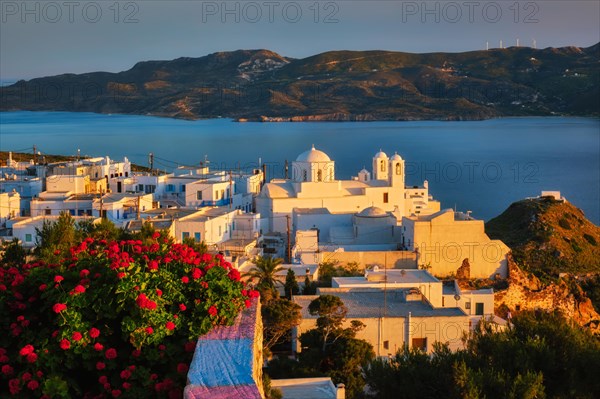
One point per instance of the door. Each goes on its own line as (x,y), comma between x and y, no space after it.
(479,309)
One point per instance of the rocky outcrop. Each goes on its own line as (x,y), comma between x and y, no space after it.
(464,271)
(525,292)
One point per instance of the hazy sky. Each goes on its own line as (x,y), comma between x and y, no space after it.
(40,38)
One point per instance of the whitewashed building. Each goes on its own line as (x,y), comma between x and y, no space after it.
(313,186)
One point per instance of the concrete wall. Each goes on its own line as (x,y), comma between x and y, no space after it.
(443,243)
(389,259)
(396,329)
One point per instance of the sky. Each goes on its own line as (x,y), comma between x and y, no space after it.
(42,38)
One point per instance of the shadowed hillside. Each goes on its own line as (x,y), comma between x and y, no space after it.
(336,85)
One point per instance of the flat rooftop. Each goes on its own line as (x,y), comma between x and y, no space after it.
(367,303)
(306,388)
(407,276)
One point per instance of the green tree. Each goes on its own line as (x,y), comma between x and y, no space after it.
(264,270)
(310,287)
(332,312)
(291,286)
(54,236)
(13,253)
(334,350)
(279,317)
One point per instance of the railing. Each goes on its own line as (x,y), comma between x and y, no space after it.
(220,202)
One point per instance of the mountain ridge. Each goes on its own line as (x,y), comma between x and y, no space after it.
(336,85)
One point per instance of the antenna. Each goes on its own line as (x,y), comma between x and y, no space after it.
(487,45)
(534,43)
(517,42)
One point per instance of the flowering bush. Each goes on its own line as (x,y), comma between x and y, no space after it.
(111,319)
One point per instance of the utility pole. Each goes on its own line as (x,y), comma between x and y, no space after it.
(34,154)
(101,207)
(151,162)
(138,208)
(230,190)
(289,244)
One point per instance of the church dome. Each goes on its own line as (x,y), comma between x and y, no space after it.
(372,212)
(381,154)
(396,157)
(313,155)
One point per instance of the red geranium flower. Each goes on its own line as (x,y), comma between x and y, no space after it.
(7,369)
(59,307)
(212,310)
(26,350)
(125,374)
(182,307)
(156,235)
(58,279)
(32,358)
(185,280)
(149,330)
(65,344)
(170,325)
(182,368)
(98,347)
(77,336)
(100,366)
(33,385)
(111,353)
(159,292)
(94,332)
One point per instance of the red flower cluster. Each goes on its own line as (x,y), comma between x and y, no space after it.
(145,303)
(212,310)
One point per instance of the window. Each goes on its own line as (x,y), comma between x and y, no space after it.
(170,188)
(28,238)
(197,237)
(382,163)
(150,188)
(398,169)
(366,178)
(140,187)
(443,301)
(219,230)
(385,198)
(222,194)
(386,344)
(304,175)
(183,188)
(47,211)
(319,175)
(227,194)
(217,195)
(185,235)
(467,305)
(199,195)
(420,343)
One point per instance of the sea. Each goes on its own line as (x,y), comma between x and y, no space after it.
(477,166)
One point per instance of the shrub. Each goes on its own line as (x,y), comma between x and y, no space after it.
(111,318)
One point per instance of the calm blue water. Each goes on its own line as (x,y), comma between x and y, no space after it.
(479,166)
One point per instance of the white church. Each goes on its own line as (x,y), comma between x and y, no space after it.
(314,190)
(374,219)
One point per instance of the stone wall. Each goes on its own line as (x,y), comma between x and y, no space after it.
(525,292)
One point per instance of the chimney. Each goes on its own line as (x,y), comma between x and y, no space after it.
(340,391)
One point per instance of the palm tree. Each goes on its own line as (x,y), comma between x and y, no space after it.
(264,269)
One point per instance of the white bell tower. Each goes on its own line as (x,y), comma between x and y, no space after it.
(396,171)
(380,166)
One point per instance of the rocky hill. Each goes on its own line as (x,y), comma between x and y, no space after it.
(548,237)
(337,85)
(555,260)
